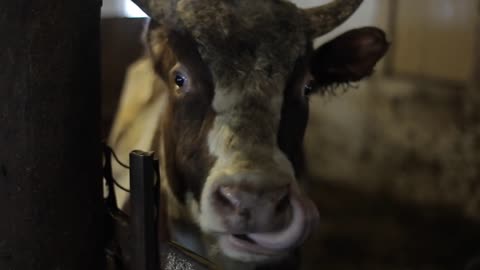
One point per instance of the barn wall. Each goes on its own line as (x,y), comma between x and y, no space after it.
(113,8)
(121,42)
(445,28)
(50,159)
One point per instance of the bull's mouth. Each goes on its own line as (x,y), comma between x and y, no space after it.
(258,246)
(243,243)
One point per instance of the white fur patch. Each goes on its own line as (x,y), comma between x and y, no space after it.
(241,159)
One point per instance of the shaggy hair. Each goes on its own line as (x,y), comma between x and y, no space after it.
(254,34)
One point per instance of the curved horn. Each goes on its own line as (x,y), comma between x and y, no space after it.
(327,17)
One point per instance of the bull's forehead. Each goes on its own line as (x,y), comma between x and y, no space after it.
(246,41)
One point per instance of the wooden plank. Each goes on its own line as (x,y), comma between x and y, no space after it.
(50,176)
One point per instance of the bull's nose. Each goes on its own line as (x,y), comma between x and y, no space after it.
(249,209)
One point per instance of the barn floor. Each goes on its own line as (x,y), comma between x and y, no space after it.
(361,231)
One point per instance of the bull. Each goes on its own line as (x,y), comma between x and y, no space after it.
(223,97)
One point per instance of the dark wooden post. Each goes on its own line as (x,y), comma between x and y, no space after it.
(50,150)
(476,54)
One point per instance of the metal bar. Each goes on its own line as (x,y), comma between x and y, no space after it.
(142,182)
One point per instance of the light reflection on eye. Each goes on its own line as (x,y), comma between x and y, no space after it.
(132,10)
(308,88)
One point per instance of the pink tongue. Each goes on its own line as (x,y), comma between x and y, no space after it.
(305,216)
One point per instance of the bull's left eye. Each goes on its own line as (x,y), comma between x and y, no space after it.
(180,80)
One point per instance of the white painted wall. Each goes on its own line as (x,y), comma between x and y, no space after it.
(120,8)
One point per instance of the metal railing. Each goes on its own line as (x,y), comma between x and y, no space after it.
(140,240)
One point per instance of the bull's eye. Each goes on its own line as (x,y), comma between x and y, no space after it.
(180,80)
(308,88)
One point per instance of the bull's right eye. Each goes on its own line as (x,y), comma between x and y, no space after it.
(308,88)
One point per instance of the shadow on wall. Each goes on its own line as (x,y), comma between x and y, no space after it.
(395,170)
(415,141)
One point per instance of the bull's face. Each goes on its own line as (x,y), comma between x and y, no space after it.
(239,75)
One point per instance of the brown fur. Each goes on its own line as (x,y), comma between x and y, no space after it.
(188,160)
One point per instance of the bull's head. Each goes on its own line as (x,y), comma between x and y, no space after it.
(239,75)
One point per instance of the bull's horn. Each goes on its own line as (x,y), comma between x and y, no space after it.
(327,17)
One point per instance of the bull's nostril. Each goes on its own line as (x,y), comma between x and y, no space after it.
(282,204)
(244,213)
(225,197)
(222,199)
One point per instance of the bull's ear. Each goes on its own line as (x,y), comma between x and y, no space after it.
(348,58)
